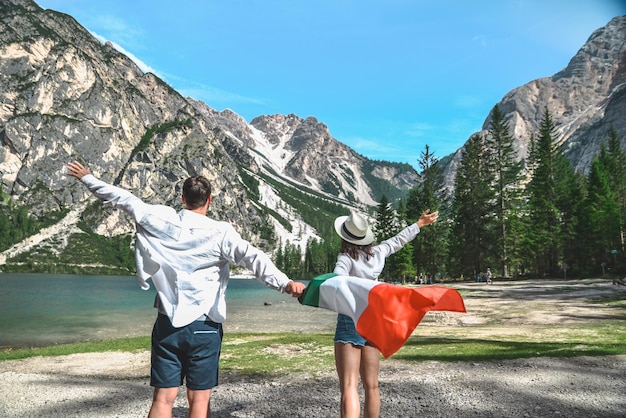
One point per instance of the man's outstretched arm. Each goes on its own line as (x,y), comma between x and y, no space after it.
(109,195)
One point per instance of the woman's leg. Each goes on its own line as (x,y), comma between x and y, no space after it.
(370,361)
(347,362)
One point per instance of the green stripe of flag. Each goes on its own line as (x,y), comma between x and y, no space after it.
(311,295)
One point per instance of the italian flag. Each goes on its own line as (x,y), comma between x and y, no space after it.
(385,314)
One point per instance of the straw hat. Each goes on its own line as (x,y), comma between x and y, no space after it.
(354,229)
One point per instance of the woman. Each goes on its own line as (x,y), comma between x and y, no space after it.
(354,356)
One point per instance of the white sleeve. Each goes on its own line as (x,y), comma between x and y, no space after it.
(116,197)
(343,267)
(394,244)
(241,252)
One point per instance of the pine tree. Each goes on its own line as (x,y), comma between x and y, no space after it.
(316,259)
(399,266)
(386,224)
(570,198)
(430,249)
(320,256)
(293,266)
(617,174)
(543,212)
(386,227)
(473,196)
(502,160)
(603,216)
(404,257)
(279,258)
(551,204)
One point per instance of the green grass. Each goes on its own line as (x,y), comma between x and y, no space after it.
(450,349)
(124,344)
(281,353)
(277,353)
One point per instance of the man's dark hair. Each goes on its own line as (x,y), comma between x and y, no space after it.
(196,191)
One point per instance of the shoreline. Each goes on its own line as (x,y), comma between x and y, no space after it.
(280,313)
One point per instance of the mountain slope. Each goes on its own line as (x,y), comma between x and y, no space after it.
(65,96)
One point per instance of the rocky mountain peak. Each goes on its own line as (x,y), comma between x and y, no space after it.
(602,59)
(277,128)
(585,100)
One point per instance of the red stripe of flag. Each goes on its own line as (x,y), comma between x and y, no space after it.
(394,311)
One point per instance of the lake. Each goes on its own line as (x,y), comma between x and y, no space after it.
(46,309)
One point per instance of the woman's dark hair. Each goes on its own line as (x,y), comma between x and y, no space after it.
(354,250)
(196,191)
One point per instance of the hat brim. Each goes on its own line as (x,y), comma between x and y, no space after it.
(369,235)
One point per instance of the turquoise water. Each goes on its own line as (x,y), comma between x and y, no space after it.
(44,309)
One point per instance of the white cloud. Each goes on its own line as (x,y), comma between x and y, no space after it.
(142,65)
(117,28)
(480,39)
(468,101)
(210,94)
(419,129)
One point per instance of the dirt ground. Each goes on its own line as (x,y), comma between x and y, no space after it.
(527,306)
(116,384)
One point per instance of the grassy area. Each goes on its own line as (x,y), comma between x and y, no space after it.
(279,353)
(124,344)
(547,341)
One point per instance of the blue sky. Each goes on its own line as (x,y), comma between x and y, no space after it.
(387,77)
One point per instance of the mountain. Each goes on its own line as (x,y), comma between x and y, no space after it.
(303,151)
(66,96)
(585,99)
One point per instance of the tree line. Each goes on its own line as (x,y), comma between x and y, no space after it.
(533,217)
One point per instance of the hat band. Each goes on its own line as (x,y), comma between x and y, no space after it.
(350,234)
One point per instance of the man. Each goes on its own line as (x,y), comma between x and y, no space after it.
(187,256)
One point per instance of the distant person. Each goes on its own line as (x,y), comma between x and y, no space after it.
(354,356)
(488,276)
(187,256)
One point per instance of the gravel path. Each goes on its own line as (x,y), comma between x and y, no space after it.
(116,385)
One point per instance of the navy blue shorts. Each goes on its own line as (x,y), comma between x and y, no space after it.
(190,353)
(345,332)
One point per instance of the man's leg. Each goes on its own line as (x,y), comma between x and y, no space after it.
(199,403)
(163,402)
(165,367)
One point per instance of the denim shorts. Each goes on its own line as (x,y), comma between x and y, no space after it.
(346,332)
(190,353)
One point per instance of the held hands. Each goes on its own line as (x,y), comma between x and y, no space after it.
(427,218)
(295,289)
(77,170)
